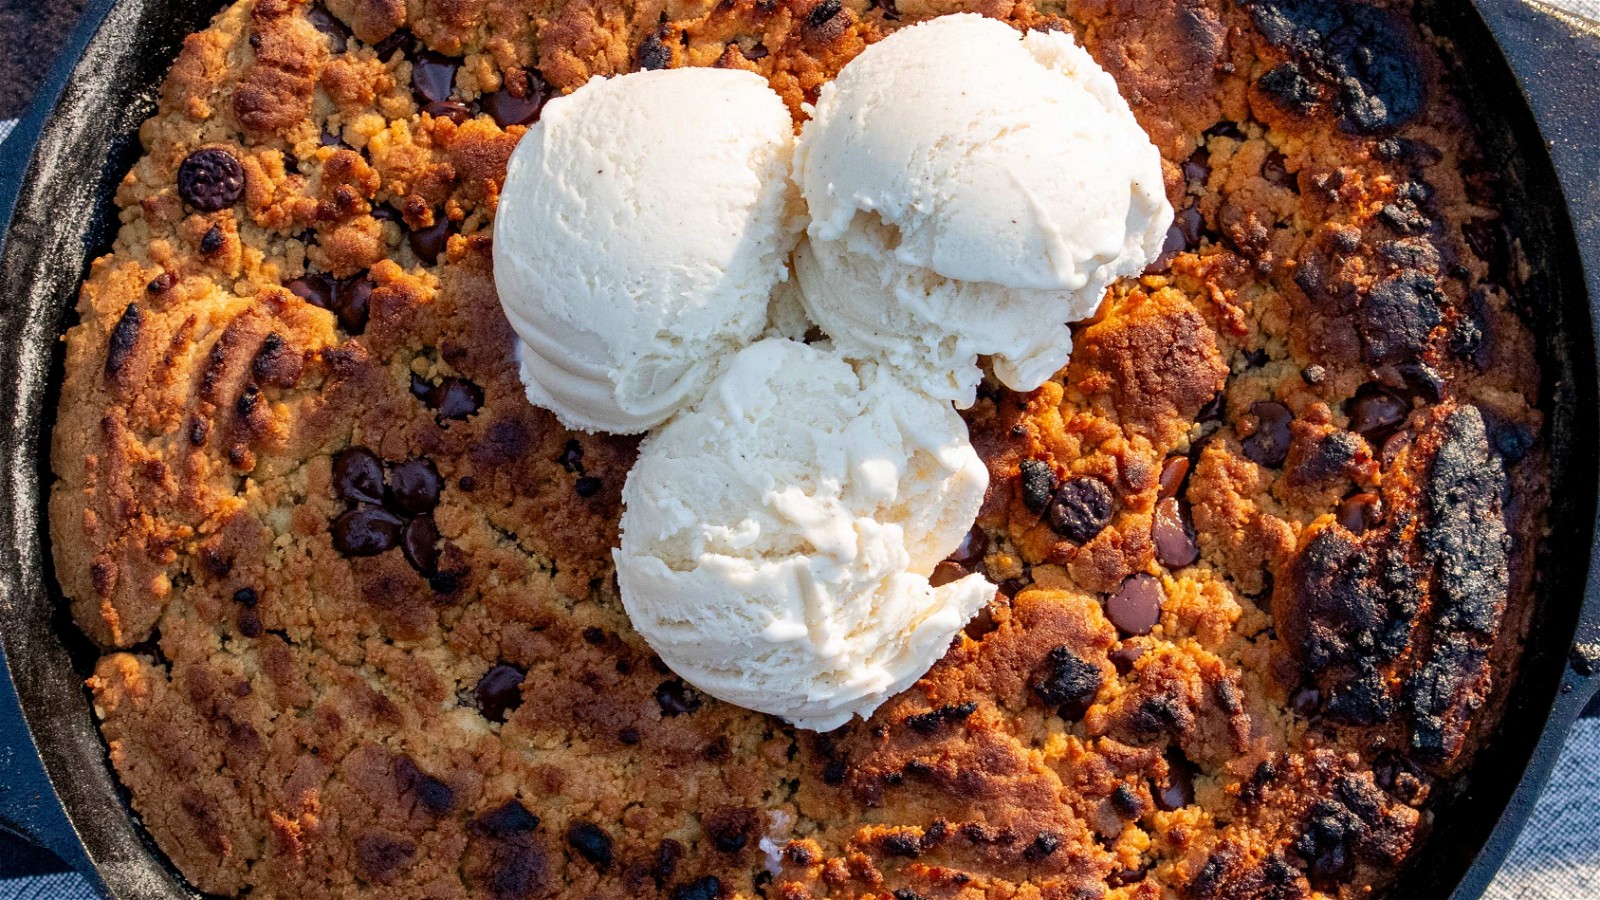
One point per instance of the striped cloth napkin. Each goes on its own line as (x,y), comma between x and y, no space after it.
(1556,858)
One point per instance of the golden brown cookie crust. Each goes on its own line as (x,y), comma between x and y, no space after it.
(1330,347)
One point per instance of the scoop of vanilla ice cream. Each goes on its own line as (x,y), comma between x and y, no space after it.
(972,189)
(778,537)
(643,224)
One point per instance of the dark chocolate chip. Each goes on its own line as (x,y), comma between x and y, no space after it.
(246,597)
(1125,656)
(427,243)
(1173,473)
(422,389)
(1275,169)
(352,299)
(328,24)
(1178,791)
(210,179)
(358,476)
(1068,682)
(571,457)
(1173,535)
(1135,608)
(1213,408)
(587,486)
(1081,509)
(676,699)
(457,398)
(454,110)
(1044,844)
(315,288)
(366,531)
(1513,441)
(1269,445)
(250,622)
(1038,484)
(419,541)
(510,818)
(507,109)
(1376,412)
(161,283)
(211,241)
(1225,129)
(707,888)
(592,843)
(499,692)
(969,553)
(414,487)
(399,39)
(1197,169)
(981,624)
(759,50)
(1306,702)
(946,572)
(433,75)
(822,13)
(1359,513)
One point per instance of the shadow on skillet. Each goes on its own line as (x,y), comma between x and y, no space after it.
(64,220)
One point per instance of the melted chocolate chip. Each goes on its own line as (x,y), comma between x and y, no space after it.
(1359,513)
(505,820)
(499,692)
(427,243)
(414,487)
(507,109)
(454,110)
(1269,445)
(1376,412)
(352,300)
(419,541)
(457,398)
(1135,608)
(1197,169)
(592,843)
(210,180)
(675,699)
(433,75)
(1081,509)
(366,531)
(1173,472)
(1178,791)
(315,288)
(358,476)
(1173,535)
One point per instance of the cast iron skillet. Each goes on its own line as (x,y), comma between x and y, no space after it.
(1526,72)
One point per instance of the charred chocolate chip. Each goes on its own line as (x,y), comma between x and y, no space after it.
(325,22)
(499,692)
(419,541)
(505,820)
(211,241)
(1068,682)
(457,398)
(1038,484)
(1044,844)
(358,476)
(1173,535)
(1376,412)
(124,338)
(315,288)
(433,75)
(1360,512)
(1173,472)
(587,486)
(707,888)
(414,487)
(352,300)
(1135,608)
(822,13)
(210,179)
(1178,791)
(1125,656)
(676,699)
(1081,509)
(454,110)
(973,546)
(654,52)
(427,243)
(592,843)
(366,531)
(1269,445)
(507,109)
(1513,441)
